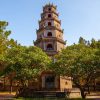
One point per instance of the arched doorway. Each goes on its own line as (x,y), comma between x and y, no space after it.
(49,81)
(49,34)
(49,47)
(49,15)
(49,23)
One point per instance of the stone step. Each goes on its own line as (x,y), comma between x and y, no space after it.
(48,95)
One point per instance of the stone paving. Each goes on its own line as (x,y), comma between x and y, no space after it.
(6,96)
(94,96)
(75,93)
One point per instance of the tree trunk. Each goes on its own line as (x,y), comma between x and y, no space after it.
(82,93)
(88,89)
(82,89)
(94,85)
(11,86)
(4,86)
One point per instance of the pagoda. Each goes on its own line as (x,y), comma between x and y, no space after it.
(50,34)
(50,40)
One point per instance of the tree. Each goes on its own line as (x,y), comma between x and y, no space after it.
(79,62)
(95,44)
(82,41)
(5,43)
(19,62)
(25,64)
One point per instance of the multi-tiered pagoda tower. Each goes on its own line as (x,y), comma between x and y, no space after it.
(50,34)
(50,40)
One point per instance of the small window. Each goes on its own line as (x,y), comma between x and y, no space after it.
(57,25)
(49,34)
(49,9)
(66,83)
(49,23)
(49,47)
(49,15)
(40,36)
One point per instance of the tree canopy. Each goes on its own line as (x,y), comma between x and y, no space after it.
(26,63)
(80,61)
(5,43)
(20,62)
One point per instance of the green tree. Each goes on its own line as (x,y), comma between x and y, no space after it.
(20,62)
(82,41)
(5,43)
(95,44)
(79,62)
(25,64)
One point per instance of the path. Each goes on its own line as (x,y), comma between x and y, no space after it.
(6,96)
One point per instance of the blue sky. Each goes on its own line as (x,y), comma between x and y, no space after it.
(79,18)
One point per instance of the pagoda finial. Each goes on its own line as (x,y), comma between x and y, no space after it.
(49,2)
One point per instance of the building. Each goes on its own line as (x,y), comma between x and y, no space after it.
(50,40)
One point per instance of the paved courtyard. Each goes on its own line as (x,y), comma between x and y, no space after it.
(8,96)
